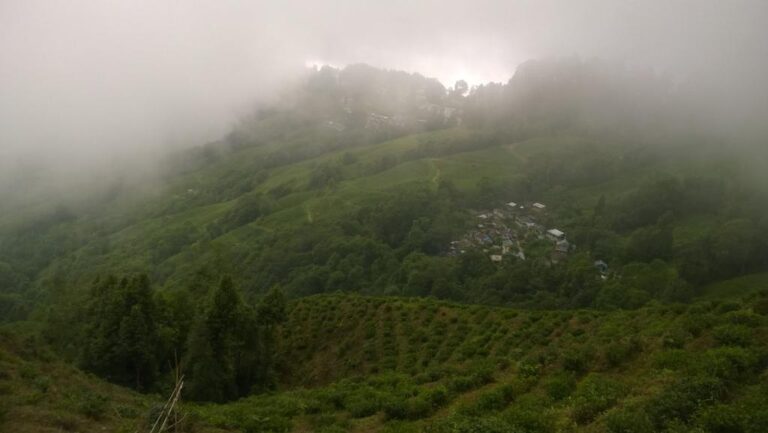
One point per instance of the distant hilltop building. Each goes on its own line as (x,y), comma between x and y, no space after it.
(539,206)
(555,234)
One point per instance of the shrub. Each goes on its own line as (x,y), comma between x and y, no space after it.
(461,384)
(560,386)
(577,361)
(622,351)
(437,396)
(628,421)
(732,363)
(728,306)
(266,424)
(683,398)
(594,395)
(674,359)
(743,317)
(395,408)
(761,307)
(361,405)
(42,383)
(722,418)
(496,399)
(676,338)
(429,375)
(696,323)
(418,407)
(465,424)
(733,335)
(332,429)
(91,404)
(400,427)
(528,368)
(322,420)
(528,415)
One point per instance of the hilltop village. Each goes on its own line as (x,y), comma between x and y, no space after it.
(512,230)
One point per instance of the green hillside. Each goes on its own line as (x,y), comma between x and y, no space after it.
(39,393)
(298,192)
(392,365)
(174,231)
(362,364)
(376,253)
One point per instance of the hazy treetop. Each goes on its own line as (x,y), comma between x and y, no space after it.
(98,77)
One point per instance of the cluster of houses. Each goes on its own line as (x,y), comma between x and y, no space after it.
(504,232)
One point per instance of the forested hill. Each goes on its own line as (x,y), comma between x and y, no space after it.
(578,242)
(361,179)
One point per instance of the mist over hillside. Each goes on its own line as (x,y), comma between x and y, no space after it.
(98,83)
(392,217)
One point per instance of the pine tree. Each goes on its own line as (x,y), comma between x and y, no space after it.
(271,313)
(100,326)
(230,352)
(205,374)
(215,344)
(121,341)
(136,347)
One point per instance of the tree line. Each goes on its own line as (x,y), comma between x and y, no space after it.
(225,346)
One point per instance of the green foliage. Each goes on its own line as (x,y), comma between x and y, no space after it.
(630,420)
(560,386)
(231,348)
(681,399)
(246,209)
(621,351)
(121,340)
(733,335)
(578,360)
(529,415)
(496,399)
(459,424)
(594,395)
(90,404)
(649,243)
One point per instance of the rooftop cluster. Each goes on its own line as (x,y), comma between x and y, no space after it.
(506,231)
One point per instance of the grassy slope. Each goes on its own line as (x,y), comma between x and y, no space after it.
(739,286)
(40,394)
(121,236)
(363,364)
(128,231)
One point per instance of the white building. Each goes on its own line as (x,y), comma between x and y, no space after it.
(539,206)
(555,234)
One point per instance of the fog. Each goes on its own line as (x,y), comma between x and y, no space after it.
(90,85)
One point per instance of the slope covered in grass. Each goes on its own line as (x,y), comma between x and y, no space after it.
(410,365)
(39,393)
(300,223)
(351,363)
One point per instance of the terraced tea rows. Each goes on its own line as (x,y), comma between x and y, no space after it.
(337,336)
(412,365)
